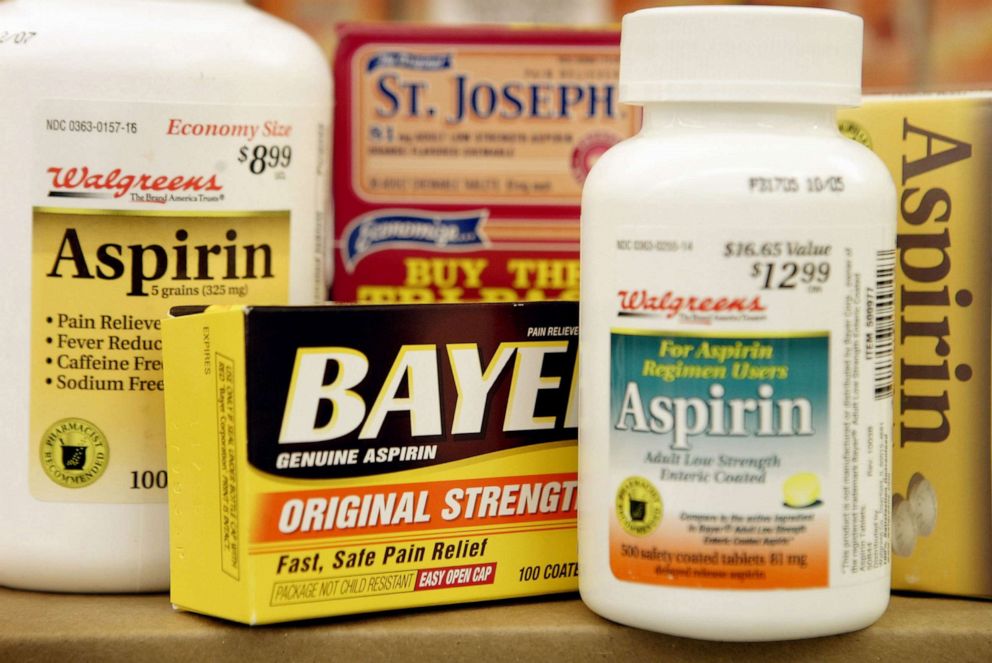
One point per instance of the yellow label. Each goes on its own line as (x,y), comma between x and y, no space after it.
(101,282)
(483,123)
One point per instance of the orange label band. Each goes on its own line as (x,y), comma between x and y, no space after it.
(414,507)
(765,561)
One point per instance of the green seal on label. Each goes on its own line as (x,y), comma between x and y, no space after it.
(639,506)
(855,132)
(74,453)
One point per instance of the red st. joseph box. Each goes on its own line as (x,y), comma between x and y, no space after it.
(459,158)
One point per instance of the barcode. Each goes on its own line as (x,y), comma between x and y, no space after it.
(885,262)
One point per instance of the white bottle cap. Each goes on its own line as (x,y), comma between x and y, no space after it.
(750,54)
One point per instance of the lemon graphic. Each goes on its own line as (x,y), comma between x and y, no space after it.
(801,490)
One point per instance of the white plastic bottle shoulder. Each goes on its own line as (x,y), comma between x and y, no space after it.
(155,153)
(736,345)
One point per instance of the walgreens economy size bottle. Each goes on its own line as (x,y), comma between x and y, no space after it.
(737,284)
(155,153)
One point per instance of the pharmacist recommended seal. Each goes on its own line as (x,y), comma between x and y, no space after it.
(638,505)
(74,452)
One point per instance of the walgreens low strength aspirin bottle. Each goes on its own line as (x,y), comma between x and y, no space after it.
(736,345)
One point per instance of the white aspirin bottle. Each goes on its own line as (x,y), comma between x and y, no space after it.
(155,153)
(736,315)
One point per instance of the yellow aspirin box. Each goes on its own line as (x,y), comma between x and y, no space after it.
(937,148)
(343,459)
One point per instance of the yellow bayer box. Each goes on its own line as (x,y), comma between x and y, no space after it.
(343,459)
(938,150)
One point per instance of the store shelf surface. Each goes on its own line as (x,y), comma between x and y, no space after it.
(81,628)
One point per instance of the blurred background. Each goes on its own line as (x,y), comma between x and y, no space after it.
(910,45)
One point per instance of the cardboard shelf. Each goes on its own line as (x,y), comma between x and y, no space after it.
(81,628)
